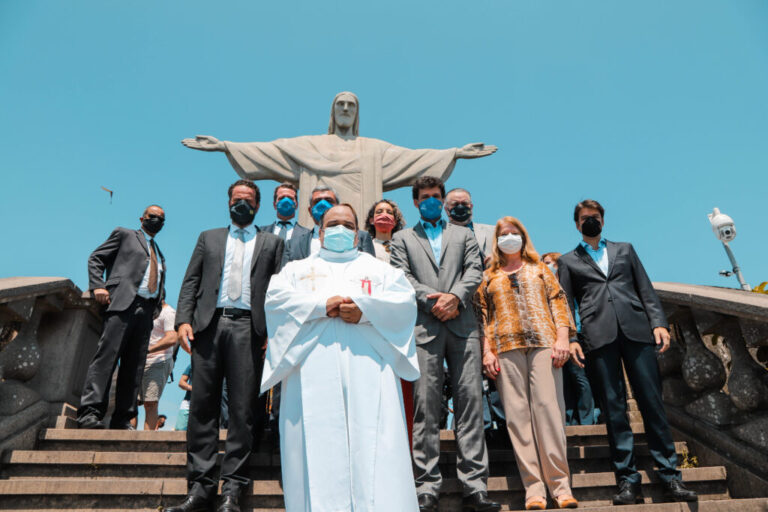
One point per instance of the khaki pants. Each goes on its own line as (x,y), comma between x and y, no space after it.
(531,393)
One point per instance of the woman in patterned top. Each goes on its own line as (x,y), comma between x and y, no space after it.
(525,329)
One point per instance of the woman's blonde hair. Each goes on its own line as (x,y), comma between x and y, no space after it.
(528,252)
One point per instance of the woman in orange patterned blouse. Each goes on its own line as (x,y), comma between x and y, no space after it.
(525,328)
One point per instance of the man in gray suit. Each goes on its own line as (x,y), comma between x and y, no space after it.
(442,262)
(133,291)
(459,208)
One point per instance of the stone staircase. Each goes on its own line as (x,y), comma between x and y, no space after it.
(119,470)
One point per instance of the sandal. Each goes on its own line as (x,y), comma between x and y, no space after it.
(566,501)
(536,503)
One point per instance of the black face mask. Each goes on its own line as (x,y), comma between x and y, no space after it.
(460,213)
(152,225)
(242,213)
(591,227)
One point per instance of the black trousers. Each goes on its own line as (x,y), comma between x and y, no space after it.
(639,360)
(227,349)
(579,402)
(125,338)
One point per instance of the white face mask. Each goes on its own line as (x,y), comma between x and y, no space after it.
(510,244)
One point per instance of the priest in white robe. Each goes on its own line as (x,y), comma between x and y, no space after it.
(359,169)
(340,326)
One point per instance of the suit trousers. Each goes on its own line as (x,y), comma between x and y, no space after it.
(579,402)
(125,338)
(464,367)
(531,391)
(605,369)
(227,349)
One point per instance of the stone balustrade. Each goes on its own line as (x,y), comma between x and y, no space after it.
(715,378)
(48,334)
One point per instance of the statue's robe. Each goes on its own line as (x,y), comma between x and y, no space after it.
(359,169)
(343,438)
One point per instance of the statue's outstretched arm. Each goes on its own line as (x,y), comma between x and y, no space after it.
(476,150)
(205,143)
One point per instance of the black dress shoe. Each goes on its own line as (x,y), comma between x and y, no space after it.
(229,504)
(191,504)
(674,490)
(479,502)
(90,421)
(629,494)
(427,503)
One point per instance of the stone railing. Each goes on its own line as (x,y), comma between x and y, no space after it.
(714,376)
(48,334)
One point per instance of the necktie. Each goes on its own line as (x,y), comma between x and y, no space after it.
(152,284)
(283,233)
(235,285)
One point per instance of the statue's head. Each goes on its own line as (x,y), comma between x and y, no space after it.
(345,114)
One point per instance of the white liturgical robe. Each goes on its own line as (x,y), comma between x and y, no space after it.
(359,169)
(343,437)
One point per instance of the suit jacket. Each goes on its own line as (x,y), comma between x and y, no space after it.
(300,245)
(459,272)
(625,297)
(124,257)
(484,233)
(200,289)
(297,229)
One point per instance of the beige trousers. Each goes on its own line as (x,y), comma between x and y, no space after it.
(531,393)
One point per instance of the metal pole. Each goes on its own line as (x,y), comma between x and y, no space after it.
(736,269)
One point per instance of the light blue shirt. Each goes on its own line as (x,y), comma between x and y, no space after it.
(289,225)
(435,237)
(244,301)
(600,256)
(144,286)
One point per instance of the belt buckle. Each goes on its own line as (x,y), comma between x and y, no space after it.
(227,312)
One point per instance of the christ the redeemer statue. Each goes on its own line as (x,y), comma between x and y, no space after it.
(359,169)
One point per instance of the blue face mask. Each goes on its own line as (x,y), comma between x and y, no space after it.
(431,208)
(286,207)
(320,208)
(339,239)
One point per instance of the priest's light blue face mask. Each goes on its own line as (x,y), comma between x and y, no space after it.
(339,239)
(320,208)
(431,208)
(286,207)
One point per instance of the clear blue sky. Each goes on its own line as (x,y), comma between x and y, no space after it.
(658,109)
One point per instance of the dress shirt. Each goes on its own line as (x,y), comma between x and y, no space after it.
(435,237)
(314,245)
(600,255)
(244,301)
(144,286)
(289,225)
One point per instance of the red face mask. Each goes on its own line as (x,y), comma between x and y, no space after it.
(384,222)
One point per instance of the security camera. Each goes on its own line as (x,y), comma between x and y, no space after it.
(722,225)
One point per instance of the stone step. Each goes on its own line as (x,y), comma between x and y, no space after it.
(173,441)
(593,489)
(106,464)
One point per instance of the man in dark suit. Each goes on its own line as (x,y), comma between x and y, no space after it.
(622,320)
(133,292)
(284,201)
(442,262)
(221,315)
(308,242)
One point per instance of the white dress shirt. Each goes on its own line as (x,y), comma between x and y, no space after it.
(144,286)
(244,301)
(314,245)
